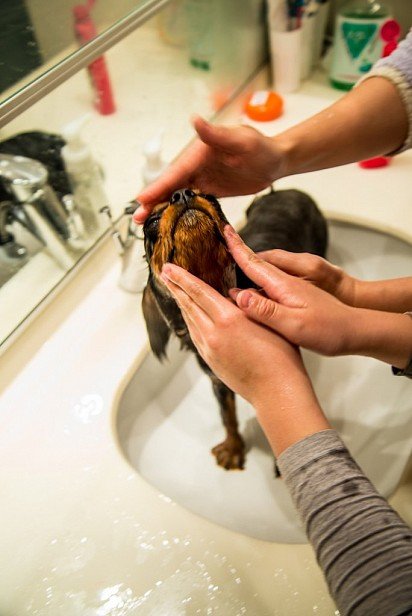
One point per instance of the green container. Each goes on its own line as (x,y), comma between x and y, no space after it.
(357,43)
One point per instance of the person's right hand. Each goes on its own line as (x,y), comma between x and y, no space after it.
(316,270)
(224,161)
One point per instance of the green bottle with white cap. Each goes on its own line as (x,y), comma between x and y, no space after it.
(357,43)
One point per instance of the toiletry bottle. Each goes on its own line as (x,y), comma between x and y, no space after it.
(85,31)
(85,176)
(358,43)
(201,22)
(154,164)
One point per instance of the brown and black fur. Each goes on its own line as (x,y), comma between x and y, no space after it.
(188,231)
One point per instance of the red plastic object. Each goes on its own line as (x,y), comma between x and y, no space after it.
(85,31)
(375,163)
(390,31)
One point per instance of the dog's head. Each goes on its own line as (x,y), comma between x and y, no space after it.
(187,231)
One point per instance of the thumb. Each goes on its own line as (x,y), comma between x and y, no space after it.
(221,137)
(265,311)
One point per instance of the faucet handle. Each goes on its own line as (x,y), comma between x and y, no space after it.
(22,176)
(117,238)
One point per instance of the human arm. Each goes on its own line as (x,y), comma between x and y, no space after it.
(226,161)
(310,317)
(393,295)
(362,546)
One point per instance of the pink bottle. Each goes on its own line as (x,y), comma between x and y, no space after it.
(85,31)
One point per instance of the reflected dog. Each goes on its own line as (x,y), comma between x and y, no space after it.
(188,231)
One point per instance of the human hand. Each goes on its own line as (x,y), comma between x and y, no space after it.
(316,270)
(244,355)
(301,312)
(310,317)
(223,161)
(250,359)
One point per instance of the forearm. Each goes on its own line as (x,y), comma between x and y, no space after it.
(389,295)
(383,335)
(368,121)
(363,548)
(287,408)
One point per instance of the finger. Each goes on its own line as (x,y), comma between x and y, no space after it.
(141,213)
(267,312)
(223,137)
(205,297)
(185,302)
(298,264)
(263,274)
(195,319)
(176,176)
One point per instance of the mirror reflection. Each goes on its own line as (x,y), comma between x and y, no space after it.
(65,158)
(36,35)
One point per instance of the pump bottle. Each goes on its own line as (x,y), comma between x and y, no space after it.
(85,176)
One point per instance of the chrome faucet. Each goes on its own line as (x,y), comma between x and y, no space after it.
(37,208)
(134,271)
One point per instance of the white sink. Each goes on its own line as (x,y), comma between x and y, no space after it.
(168,418)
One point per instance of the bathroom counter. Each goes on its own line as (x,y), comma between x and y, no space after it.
(83,533)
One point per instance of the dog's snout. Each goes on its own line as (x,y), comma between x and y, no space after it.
(182,196)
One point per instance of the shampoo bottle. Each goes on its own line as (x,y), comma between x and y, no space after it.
(358,43)
(85,176)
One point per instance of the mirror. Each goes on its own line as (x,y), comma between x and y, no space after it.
(37,35)
(64,158)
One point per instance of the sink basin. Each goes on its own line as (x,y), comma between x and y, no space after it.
(168,419)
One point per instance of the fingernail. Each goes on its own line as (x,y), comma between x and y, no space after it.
(244,299)
(233,293)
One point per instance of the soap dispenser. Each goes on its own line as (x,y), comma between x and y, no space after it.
(85,176)
(154,164)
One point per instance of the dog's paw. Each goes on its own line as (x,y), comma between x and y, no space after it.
(230,454)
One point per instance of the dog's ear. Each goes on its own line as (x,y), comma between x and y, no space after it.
(157,328)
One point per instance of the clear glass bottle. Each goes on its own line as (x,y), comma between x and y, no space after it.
(357,44)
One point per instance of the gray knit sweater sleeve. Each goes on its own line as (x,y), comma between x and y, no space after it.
(362,546)
(397,68)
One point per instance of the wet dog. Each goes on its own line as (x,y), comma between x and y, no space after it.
(188,231)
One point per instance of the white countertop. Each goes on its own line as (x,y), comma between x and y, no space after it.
(82,532)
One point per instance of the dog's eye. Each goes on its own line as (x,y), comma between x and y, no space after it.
(151,228)
(210,198)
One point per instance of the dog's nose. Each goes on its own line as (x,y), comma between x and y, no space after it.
(182,197)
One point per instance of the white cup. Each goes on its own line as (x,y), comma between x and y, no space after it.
(286,56)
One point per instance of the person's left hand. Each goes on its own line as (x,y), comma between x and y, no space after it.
(249,358)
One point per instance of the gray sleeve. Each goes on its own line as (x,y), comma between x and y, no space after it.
(397,68)
(362,546)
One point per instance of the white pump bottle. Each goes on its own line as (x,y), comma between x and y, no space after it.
(154,164)
(85,175)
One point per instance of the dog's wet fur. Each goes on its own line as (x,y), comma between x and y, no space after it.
(188,231)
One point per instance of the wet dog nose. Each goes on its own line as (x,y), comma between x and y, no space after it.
(182,197)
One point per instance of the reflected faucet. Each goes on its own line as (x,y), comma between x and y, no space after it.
(36,206)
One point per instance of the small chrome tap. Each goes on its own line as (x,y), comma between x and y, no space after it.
(134,272)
